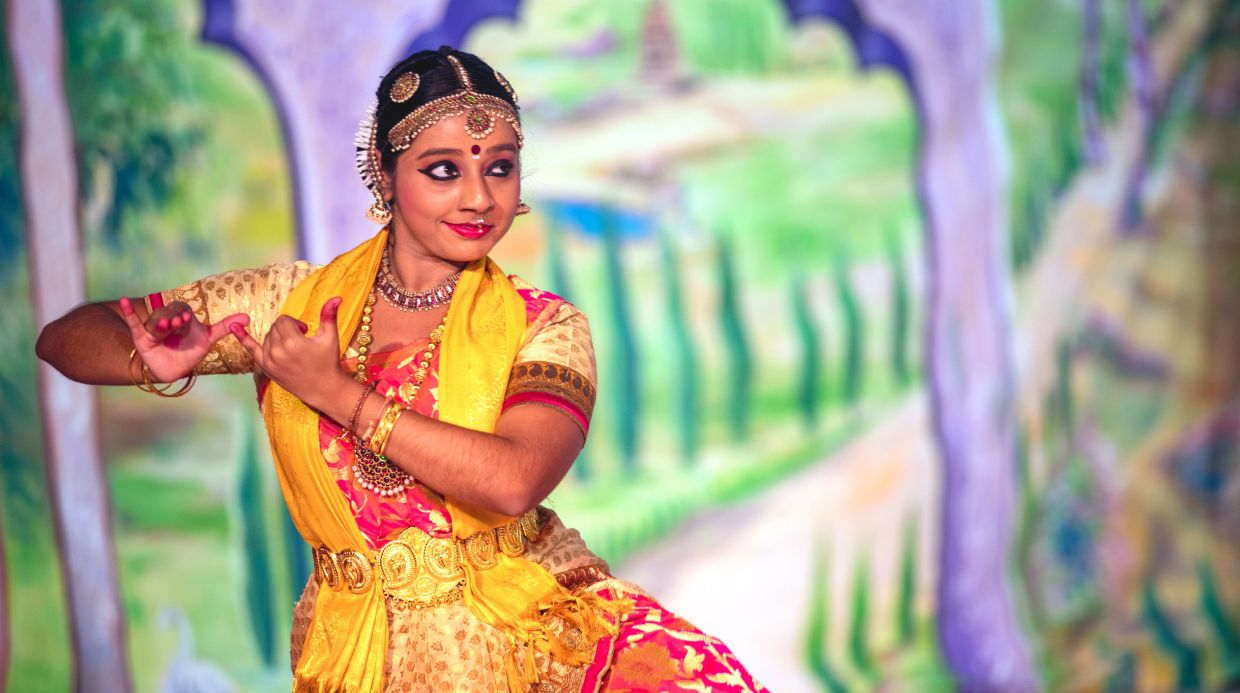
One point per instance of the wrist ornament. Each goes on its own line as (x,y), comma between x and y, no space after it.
(148,382)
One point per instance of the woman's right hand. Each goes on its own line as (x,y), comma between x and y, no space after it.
(173,340)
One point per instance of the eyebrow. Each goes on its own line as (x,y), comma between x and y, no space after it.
(457,152)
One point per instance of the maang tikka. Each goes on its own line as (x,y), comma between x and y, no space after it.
(480,111)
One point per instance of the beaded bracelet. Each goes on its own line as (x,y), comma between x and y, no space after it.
(357,411)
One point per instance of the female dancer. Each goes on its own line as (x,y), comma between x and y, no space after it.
(398,422)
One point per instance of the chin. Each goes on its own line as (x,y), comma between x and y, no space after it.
(462,250)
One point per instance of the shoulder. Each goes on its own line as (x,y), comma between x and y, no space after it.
(544,308)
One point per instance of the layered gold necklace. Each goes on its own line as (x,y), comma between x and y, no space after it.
(373,470)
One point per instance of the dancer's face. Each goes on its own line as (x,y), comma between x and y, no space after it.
(453,196)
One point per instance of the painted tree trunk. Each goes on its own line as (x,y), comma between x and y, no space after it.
(1091,74)
(74,469)
(950,48)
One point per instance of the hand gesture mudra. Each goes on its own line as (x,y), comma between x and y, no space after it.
(172,340)
(307,365)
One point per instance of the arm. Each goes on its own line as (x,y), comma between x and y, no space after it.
(92,343)
(508,471)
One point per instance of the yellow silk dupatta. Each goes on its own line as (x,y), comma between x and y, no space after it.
(346,644)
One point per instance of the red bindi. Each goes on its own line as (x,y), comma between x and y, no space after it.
(475,150)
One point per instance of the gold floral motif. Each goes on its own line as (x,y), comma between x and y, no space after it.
(355,569)
(441,558)
(529,525)
(405,87)
(480,549)
(510,539)
(325,566)
(397,564)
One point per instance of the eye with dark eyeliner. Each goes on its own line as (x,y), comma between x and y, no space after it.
(441,170)
(501,168)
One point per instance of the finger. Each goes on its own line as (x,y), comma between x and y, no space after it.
(302,326)
(223,328)
(286,327)
(327,317)
(328,314)
(130,315)
(247,341)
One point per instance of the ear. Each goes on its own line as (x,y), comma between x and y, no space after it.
(386,187)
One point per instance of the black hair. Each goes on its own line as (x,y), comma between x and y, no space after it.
(438,79)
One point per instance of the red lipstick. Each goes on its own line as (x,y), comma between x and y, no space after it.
(470,231)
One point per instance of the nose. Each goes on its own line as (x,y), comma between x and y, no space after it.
(476,195)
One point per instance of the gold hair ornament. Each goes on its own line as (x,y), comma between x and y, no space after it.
(405,87)
(480,111)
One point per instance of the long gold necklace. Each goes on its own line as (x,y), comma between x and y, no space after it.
(373,471)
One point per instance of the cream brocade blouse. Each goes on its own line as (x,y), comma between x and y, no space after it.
(556,332)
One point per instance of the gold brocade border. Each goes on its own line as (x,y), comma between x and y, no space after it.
(553,379)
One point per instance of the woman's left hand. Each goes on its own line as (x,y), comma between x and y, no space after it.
(304,364)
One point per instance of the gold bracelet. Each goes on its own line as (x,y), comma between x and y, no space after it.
(148,383)
(378,441)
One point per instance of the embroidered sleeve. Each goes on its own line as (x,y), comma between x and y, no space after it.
(556,366)
(256,292)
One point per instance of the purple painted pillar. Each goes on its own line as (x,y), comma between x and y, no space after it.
(1091,75)
(70,432)
(321,62)
(962,179)
(1143,85)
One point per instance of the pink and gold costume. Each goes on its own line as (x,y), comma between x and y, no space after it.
(439,644)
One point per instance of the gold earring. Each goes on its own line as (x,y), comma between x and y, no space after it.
(380,212)
(523,208)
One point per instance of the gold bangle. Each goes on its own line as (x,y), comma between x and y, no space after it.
(378,441)
(148,383)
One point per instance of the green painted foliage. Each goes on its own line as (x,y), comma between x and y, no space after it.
(1169,640)
(853,377)
(859,626)
(684,355)
(624,369)
(819,623)
(257,567)
(740,360)
(807,335)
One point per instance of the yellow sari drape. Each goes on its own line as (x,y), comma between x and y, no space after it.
(346,643)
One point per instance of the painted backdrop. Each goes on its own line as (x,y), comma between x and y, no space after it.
(918,322)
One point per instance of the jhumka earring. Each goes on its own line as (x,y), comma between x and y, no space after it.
(380,212)
(523,208)
(368,166)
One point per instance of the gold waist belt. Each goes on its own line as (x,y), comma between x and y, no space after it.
(419,570)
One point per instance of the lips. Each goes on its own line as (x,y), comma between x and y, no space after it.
(470,231)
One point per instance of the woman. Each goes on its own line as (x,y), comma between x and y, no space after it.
(399,424)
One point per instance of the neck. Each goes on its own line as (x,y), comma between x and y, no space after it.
(416,270)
